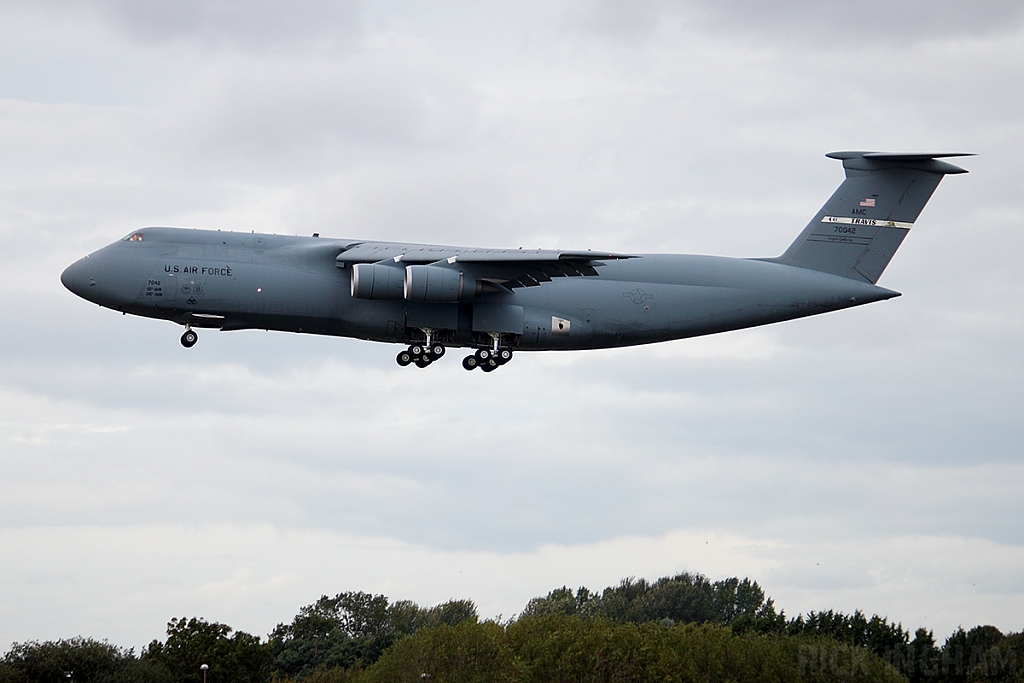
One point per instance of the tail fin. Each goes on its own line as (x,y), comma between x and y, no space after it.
(862,225)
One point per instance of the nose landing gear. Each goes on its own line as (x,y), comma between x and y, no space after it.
(189,338)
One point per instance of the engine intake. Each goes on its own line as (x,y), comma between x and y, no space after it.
(377,281)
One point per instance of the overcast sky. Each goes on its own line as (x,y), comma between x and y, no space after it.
(868,459)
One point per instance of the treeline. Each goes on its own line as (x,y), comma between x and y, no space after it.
(680,628)
(981,654)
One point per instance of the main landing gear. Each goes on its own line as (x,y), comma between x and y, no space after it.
(487,360)
(423,354)
(490,359)
(420,354)
(189,338)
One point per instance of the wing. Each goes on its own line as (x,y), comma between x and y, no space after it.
(508,267)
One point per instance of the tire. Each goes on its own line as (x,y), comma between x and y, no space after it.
(404,358)
(437,350)
(422,362)
(470,362)
(488,367)
(189,339)
(416,350)
(482,355)
(504,356)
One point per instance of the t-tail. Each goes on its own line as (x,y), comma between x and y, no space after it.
(862,225)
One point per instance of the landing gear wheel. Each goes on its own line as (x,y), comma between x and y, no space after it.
(490,365)
(436,351)
(189,339)
(482,355)
(503,356)
(404,358)
(416,350)
(422,362)
(470,362)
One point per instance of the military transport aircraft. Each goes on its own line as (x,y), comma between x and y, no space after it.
(497,301)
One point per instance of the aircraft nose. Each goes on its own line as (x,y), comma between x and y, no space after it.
(78,278)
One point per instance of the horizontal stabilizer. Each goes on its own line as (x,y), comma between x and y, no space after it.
(923,161)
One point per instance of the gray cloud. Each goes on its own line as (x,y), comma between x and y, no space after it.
(873,21)
(233,24)
(818,24)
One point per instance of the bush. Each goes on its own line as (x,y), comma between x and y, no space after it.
(469,652)
(81,660)
(561,647)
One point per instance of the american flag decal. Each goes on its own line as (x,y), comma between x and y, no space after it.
(870,201)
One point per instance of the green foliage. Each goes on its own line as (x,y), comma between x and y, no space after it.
(684,598)
(560,601)
(238,657)
(1003,662)
(338,674)
(561,647)
(966,655)
(135,670)
(676,629)
(980,654)
(353,629)
(469,652)
(876,634)
(81,660)
(920,660)
(821,659)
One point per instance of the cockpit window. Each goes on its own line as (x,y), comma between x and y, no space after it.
(134,237)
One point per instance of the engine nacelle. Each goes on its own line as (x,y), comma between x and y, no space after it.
(377,281)
(437,285)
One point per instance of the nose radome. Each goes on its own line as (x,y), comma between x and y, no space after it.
(77,279)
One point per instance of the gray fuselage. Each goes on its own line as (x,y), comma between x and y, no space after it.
(232,281)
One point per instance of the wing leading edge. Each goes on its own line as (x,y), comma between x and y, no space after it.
(508,267)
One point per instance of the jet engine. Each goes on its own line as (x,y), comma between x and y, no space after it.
(376,281)
(436,284)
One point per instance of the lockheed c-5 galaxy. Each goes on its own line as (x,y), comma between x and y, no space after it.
(497,301)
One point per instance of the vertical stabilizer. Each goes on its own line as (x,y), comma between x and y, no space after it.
(864,222)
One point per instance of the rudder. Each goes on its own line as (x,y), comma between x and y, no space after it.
(858,230)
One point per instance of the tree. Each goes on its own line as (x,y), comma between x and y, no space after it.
(353,629)
(976,655)
(469,652)
(1003,662)
(923,658)
(82,660)
(560,601)
(877,634)
(683,598)
(238,657)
